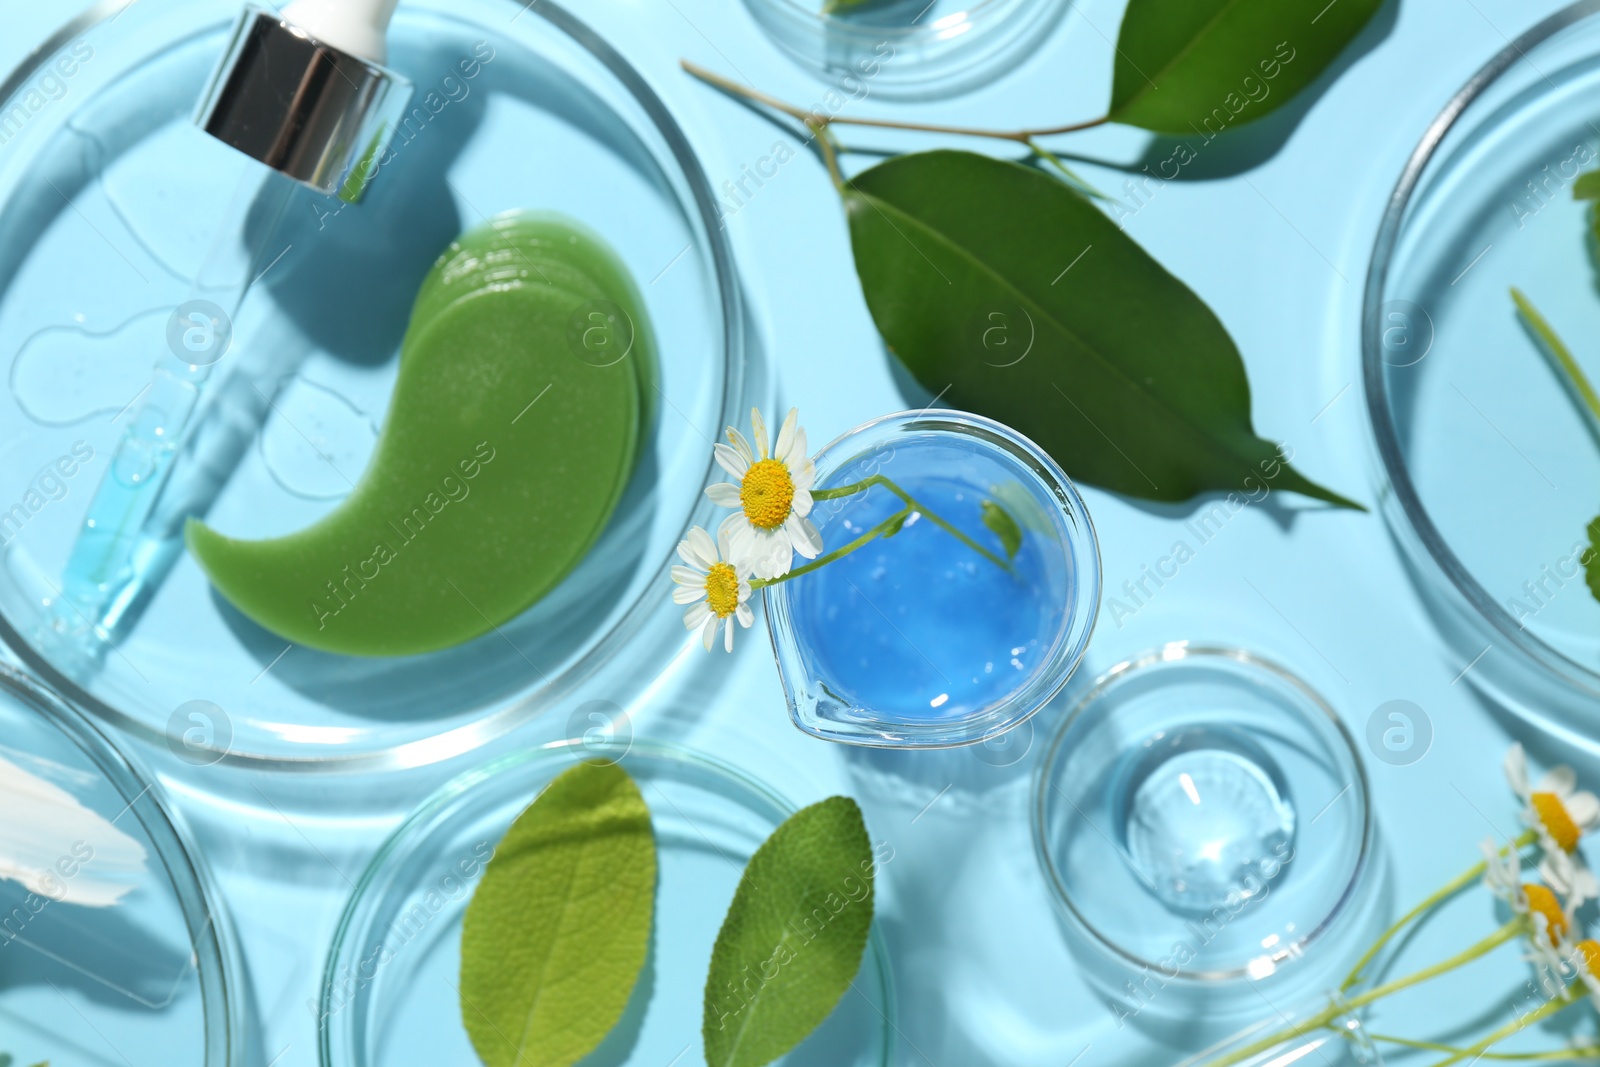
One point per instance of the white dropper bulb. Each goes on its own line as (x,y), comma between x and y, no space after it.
(360,27)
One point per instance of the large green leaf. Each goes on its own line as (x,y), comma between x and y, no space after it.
(556,933)
(1016,298)
(1200,66)
(792,940)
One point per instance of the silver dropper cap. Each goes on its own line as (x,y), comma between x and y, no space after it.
(309,110)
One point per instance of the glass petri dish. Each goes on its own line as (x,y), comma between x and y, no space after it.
(1487,464)
(907,49)
(108,200)
(916,640)
(1201,816)
(113,946)
(389,992)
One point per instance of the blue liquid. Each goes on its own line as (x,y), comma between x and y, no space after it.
(919,628)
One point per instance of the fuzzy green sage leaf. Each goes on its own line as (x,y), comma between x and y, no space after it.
(1015,297)
(1003,526)
(557,931)
(1199,66)
(793,938)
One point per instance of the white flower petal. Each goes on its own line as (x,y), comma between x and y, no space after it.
(759,428)
(1556,875)
(1558,780)
(727,642)
(745,616)
(1516,765)
(1584,807)
(744,591)
(785,445)
(741,446)
(696,615)
(803,474)
(805,537)
(801,504)
(688,576)
(687,594)
(724,494)
(702,550)
(732,461)
(708,632)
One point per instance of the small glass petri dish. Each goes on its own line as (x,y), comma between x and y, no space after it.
(1203,821)
(907,49)
(109,200)
(918,640)
(1487,461)
(389,992)
(113,944)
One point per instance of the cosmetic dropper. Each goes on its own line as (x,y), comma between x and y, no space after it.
(306,96)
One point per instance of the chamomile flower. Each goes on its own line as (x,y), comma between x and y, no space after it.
(1586,957)
(1502,874)
(772,490)
(1561,814)
(715,584)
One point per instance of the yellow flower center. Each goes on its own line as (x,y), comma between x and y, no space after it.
(767,494)
(722,590)
(1543,902)
(1557,823)
(1589,952)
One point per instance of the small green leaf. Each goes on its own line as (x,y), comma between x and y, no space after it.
(1591,558)
(793,938)
(895,523)
(1004,526)
(1201,66)
(1587,187)
(844,7)
(556,933)
(1016,298)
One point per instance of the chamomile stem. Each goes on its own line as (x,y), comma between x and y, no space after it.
(914,504)
(871,535)
(1450,888)
(815,119)
(1510,930)
(1476,1051)
(1576,1052)
(1575,376)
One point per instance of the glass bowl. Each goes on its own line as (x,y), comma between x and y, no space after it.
(109,198)
(917,640)
(908,49)
(389,991)
(115,949)
(1203,821)
(1487,466)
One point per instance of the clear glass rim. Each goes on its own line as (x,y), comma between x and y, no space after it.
(834,26)
(1071,644)
(215,954)
(1385,433)
(456,740)
(1323,715)
(417,825)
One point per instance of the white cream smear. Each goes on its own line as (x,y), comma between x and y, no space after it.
(60,849)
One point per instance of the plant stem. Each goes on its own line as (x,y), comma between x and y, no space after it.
(914,504)
(816,119)
(830,153)
(1067,172)
(1333,1011)
(1510,1028)
(1455,885)
(1575,376)
(871,535)
(1576,1052)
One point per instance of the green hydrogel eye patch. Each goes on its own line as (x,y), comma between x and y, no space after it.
(503,455)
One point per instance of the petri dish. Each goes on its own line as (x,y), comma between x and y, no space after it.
(916,640)
(109,198)
(1486,462)
(389,992)
(1201,816)
(907,49)
(113,945)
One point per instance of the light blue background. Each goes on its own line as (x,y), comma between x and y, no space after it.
(1279,249)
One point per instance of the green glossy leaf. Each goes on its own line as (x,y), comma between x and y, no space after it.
(1202,66)
(793,938)
(1016,298)
(999,520)
(1587,187)
(556,933)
